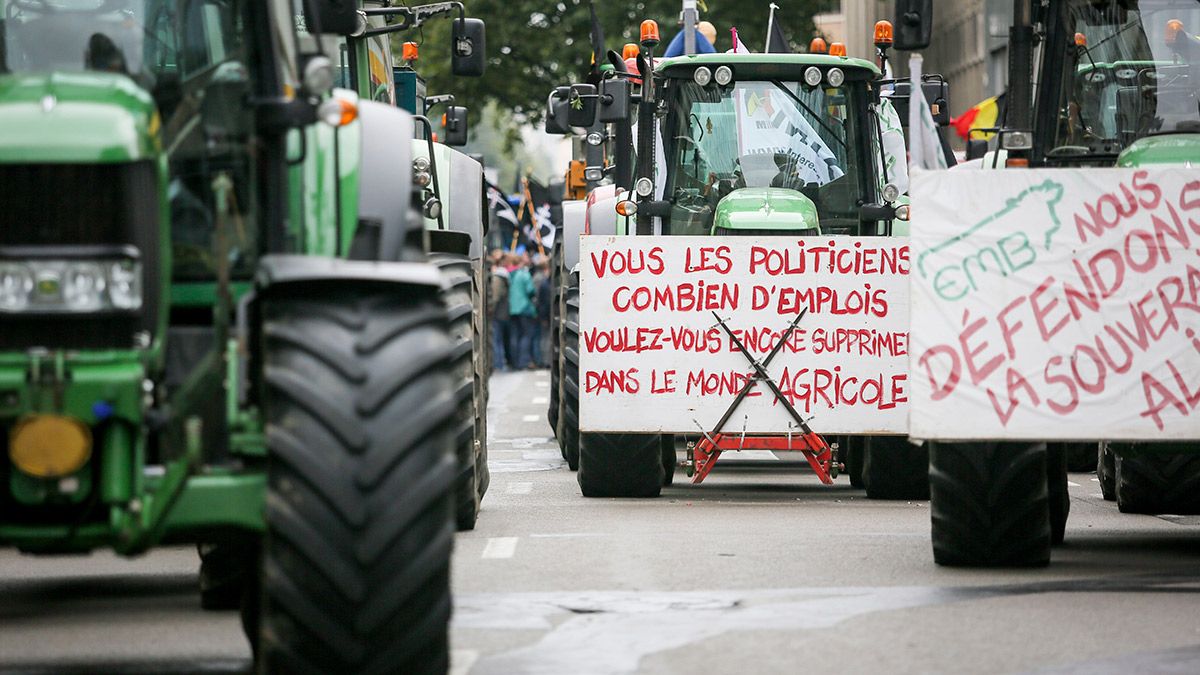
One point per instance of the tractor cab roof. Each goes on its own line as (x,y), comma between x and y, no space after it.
(769,66)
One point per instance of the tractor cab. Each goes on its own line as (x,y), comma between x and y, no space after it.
(767,144)
(1120,84)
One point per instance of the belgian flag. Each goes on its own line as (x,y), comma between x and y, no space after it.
(986,114)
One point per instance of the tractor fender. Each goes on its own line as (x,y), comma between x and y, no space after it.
(301,273)
(385,181)
(573,215)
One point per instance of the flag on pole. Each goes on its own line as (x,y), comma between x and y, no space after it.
(777,42)
(738,46)
(597,42)
(925,147)
(983,115)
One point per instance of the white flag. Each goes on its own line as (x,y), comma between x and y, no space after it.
(926,148)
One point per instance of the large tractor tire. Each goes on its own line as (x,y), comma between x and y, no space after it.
(989,504)
(555,339)
(360,407)
(851,456)
(1158,482)
(893,468)
(460,298)
(670,461)
(620,465)
(1059,499)
(568,414)
(1106,471)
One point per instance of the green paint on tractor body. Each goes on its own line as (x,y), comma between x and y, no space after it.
(766,211)
(1179,149)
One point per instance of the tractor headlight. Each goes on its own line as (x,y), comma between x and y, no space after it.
(702,76)
(16,286)
(421,176)
(723,75)
(70,286)
(835,77)
(812,76)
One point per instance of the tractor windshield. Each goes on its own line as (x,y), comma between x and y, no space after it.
(759,134)
(1132,69)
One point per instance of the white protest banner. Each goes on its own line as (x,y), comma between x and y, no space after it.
(653,357)
(1056,304)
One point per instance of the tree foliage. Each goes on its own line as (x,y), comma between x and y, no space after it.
(534,45)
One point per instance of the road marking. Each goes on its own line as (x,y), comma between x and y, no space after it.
(1073,484)
(542,383)
(461,661)
(498,548)
(1095,480)
(540,400)
(567,535)
(1097,495)
(531,418)
(519,488)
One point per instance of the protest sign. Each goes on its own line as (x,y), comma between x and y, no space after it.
(653,357)
(1056,304)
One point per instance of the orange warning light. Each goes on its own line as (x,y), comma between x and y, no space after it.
(410,51)
(883,34)
(837,49)
(649,32)
(818,46)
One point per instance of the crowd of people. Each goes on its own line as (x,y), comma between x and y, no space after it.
(519,309)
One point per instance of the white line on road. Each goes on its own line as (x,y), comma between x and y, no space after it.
(499,547)
(540,400)
(531,418)
(567,535)
(1096,495)
(542,383)
(519,488)
(461,661)
(1073,484)
(1095,480)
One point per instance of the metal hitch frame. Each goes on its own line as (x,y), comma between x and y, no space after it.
(703,455)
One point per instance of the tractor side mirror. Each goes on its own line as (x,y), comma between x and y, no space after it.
(914,24)
(582,112)
(615,97)
(470,54)
(937,93)
(454,126)
(556,112)
(976,148)
(333,17)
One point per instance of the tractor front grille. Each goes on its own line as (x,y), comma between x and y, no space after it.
(60,207)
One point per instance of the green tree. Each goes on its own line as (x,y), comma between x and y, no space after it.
(534,45)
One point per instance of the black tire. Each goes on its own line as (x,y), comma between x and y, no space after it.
(620,465)
(568,414)
(1081,457)
(460,298)
(360,405)
(1158,482)
(988,503)
(1058,498)
(851,452)
(555,338)
(225,572)
(669,459)
(893,468)
(1106,471)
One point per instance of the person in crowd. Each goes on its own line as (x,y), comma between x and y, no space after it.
(498,311)
(521,310)
(706,38)
(541,338)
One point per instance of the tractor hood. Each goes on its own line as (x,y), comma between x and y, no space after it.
(75,118)
(761,211)
(1178,149)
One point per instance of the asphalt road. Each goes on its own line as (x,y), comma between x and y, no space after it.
(761,569)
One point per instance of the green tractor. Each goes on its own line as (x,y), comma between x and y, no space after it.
(1117,86)
(218,324)
(698,170)
(451,197)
